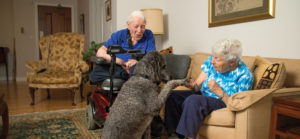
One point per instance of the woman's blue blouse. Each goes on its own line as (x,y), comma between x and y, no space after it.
(238,80)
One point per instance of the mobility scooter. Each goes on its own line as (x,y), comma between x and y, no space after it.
(99,101)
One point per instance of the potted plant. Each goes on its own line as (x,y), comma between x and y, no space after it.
(91,51)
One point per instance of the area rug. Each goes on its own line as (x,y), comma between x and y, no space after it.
(69,124)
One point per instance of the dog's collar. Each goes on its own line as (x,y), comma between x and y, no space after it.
(146,77)
(142,75)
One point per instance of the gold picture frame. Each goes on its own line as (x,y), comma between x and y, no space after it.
(108,10)
(224,12)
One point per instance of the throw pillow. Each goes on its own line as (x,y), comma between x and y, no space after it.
(178,65)
(168,50)
(267,74)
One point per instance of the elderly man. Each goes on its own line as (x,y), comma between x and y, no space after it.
(135,36)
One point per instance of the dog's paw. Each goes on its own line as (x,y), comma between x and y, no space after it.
(186,81)
(175,83)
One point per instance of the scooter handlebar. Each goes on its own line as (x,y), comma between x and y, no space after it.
(98,60)
(133,51)
(117,49)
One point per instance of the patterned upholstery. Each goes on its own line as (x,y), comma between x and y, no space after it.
(61,60)
(53,77)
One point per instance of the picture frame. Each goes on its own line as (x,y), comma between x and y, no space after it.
(108,10)
(81,21)
(225,12)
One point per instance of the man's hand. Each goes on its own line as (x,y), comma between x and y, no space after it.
(130,63)
(125,68)
(102,53)
(127,65)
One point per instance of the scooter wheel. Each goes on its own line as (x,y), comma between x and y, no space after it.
(91,124)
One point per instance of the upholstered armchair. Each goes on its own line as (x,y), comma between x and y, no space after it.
(61,65)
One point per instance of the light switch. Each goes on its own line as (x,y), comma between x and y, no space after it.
(22,30)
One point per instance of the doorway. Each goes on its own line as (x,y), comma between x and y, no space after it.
(53,19)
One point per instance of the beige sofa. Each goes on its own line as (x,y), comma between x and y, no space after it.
(248,114)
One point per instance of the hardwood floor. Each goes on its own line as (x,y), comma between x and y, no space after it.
(18,98)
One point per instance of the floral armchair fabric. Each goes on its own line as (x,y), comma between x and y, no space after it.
(61,65)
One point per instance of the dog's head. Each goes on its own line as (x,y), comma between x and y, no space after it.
(154,66)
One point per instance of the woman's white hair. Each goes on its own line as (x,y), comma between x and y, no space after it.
(134,14)
(231,49)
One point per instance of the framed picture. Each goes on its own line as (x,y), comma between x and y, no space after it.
(81,19)
(224,12)
(108,10)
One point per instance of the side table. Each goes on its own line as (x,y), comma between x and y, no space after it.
(3,59)
(4,114)
(286,117)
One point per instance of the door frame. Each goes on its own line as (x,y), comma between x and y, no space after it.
(73,19)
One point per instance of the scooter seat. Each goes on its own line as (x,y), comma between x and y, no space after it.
(117,84)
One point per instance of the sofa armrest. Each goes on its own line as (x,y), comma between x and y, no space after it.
(243,100)
(254,121)
(35,65)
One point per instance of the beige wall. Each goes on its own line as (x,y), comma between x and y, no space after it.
(278,37)
(83,8)
(17,14)
(186,27)
(25,42)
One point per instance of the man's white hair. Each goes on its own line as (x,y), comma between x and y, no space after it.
(134,14)
(231,49)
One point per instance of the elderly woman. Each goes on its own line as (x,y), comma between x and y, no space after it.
(223,74)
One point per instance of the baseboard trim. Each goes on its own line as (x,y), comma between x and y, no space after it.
(10,79)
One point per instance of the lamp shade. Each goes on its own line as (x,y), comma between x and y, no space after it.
(154,20)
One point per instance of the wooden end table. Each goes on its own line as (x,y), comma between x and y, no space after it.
(4,114)
(3,59)
(286,117)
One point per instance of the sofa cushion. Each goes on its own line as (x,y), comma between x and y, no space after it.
(196,61)
(292,67)
(221,117)
(168,50)
(268,74)
(178,65)
(248,60)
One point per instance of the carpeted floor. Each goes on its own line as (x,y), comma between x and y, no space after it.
(55,124)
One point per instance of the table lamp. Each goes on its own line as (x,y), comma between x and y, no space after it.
(154,22)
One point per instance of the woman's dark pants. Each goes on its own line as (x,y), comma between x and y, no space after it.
(185,111)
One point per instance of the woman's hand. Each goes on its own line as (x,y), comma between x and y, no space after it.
(191,84)
(215,87)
